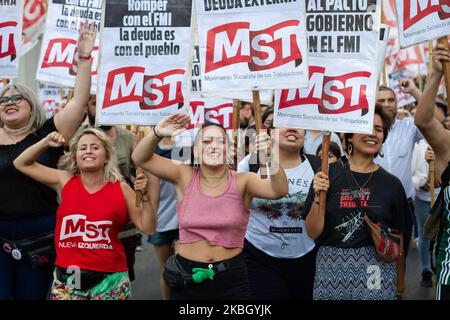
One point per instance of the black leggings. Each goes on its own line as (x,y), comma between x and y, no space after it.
(231,284)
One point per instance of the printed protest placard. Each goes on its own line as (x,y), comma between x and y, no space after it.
(422,20)
(343,29)
(196,86)
(145,71)
(403,98)
(252,45)
(215,110)
(343,69)
(10,35)
(50,97)
(34,12)
(340,98)
(59,56)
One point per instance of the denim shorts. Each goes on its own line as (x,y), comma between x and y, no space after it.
(164,238)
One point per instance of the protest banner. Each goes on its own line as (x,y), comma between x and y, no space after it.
(343,70)
(341,98)
(50,97)
(201,110)
(145,62)
(422,20)
(196,86)
(34,12)
(10,37)
(411,61)
(252,45)
(343,29)
(59,56)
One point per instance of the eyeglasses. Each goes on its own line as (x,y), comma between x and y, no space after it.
(16,99)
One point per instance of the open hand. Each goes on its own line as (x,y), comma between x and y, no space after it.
(172,125)
(86,38)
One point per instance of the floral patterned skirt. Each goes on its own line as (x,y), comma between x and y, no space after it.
(115,286)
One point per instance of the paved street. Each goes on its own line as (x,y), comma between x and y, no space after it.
(146,285)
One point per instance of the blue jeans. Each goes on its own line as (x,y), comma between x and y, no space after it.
(18,281)
(421,211)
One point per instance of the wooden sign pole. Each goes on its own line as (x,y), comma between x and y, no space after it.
(236,127)
(326,135)
(140,133)
(446,66)
(258,125)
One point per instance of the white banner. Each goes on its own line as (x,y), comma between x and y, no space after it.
(59,56)
(343,69)
(343,29)
(252,45)
(10,35)
(203,110)
(50,97)
(34,12)
(265,96)
(422,20)
(145,71)
(340,98)
(395,79)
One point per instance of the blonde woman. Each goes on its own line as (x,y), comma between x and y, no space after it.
(27,210)
(95,206)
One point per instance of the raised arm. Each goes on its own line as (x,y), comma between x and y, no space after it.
(408,86)
(28,165)
(69,119)
(144,154)
(433,131)
(315,221)
(143,218)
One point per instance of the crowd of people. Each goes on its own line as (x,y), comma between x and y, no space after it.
(75,199)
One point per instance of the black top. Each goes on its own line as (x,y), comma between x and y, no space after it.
(21,196)
(383,198)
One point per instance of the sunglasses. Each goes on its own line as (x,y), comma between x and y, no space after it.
(17,98)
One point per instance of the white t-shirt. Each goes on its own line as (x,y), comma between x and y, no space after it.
(275,226)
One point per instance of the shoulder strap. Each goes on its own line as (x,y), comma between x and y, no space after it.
(315,162)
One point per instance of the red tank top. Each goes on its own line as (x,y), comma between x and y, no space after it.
(87,227)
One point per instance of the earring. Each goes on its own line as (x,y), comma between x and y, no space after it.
(381,153)
(350,149)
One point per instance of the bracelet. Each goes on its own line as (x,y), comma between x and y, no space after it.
(145,198)
(154,132)
(84,57)
(316,202)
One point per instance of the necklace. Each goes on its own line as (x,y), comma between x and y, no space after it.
(221,180)
(361,191)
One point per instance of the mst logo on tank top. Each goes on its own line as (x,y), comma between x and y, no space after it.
(93,234)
